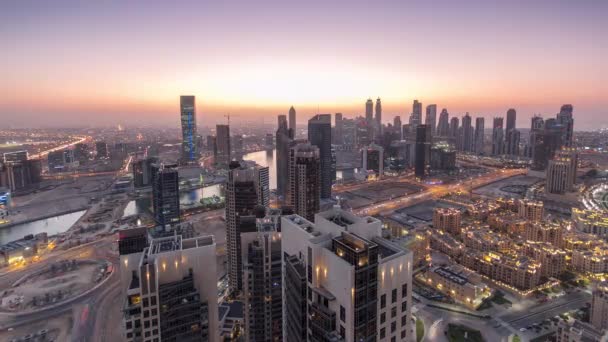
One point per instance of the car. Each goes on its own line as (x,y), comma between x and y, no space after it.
(522,329)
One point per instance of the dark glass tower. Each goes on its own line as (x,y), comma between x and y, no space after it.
(188,120)
(422,142)
(165,194)
(319,134)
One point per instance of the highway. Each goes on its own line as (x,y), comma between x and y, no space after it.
(58,148)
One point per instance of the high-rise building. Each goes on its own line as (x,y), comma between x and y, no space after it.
(165,194)
(443,157)
(416,116)
(142,172)
(304,192)
(369,111)
(497,137)
(536,127)
(247,187)
(13,157)
(443,127)
(56,161)
(319,134)
(283,138)
(511,119)
(373,159)
(378,116)
(343,281)
(561,172)
(349,133)
(431,117)
(262,279)
(546,143)
(397,126)
(454,122)
(566,119)
(447,220)
(599,306)
(170,288)
(338,130)
(422,145)
(20,175)
(479,135)
(187,107)
(222,142)
(81,153)
(292,120)
(467,137)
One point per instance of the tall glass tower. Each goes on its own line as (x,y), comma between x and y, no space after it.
(188,119)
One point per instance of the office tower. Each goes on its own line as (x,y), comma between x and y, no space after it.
(566,119)
(211,144)
(532,211)
(497,137)
(369,111)
(373,159)
(536,126)
(512,143)
(283,143)
(422,144)
(142,172)
(599,306)
(443,127)
(431,118)
(443,157)
(343,281)
(165,194)
(292,120)
(246,188)
(454,122)
(397,126)
(349,133)
(379,116)
(319,134)
(56,161)
(304,192)
(102,150)
(13,157)
(263,279)
(467,134)
(222,141)
(364,133)
(170,289)
(187,108)
(81,153)
(511,119)
(338,130)
(571,154)
(561,172)
(447,220)
(479,135)
(546,143)
(416,117)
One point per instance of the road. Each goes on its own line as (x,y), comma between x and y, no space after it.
(58,148)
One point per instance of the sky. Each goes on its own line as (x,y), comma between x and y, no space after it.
(79,63)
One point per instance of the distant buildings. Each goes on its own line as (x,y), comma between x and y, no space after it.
(222,142)
(422,146)
(511,134)
(369,111)
(497,137)
(431,118)
(416,116)
(319,135)
(378,118)
(373,159)
(561,172)
(443,157)
(20,175)
(479,135)
(341,251)
(142,172)
(14,157)
(102,150)
(284,138)
(165,194)
(443,126)
(188,120)
(292,120)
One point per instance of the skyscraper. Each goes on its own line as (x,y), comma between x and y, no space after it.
(369,111)
(319,134)
(454,122)
(373,159)
(222,142)
(338,130)
(511,146)
(443,127)
(378,117)
(497,137)
(416,117)
(165,194)
(431,117)
(246,188)
(263,279)
(422,144)
(511,119)
(343,281)
(188,120)
(479,134)
(292,120)
(283,138)
(142,172)
(566,119)
(304,179)
(466,134)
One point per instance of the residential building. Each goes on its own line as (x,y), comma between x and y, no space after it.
(591,221)
(532,211)
(304,191)
(165,194)
(319,135)
(447,220)
(222,143)
(464,286)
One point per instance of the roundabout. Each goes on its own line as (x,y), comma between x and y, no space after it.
(596,197)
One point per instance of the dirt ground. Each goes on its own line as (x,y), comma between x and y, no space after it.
(58,328)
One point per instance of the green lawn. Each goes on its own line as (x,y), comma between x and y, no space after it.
(419,330)
(456,333)
(516,338)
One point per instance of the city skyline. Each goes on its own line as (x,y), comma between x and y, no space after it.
(114,63)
